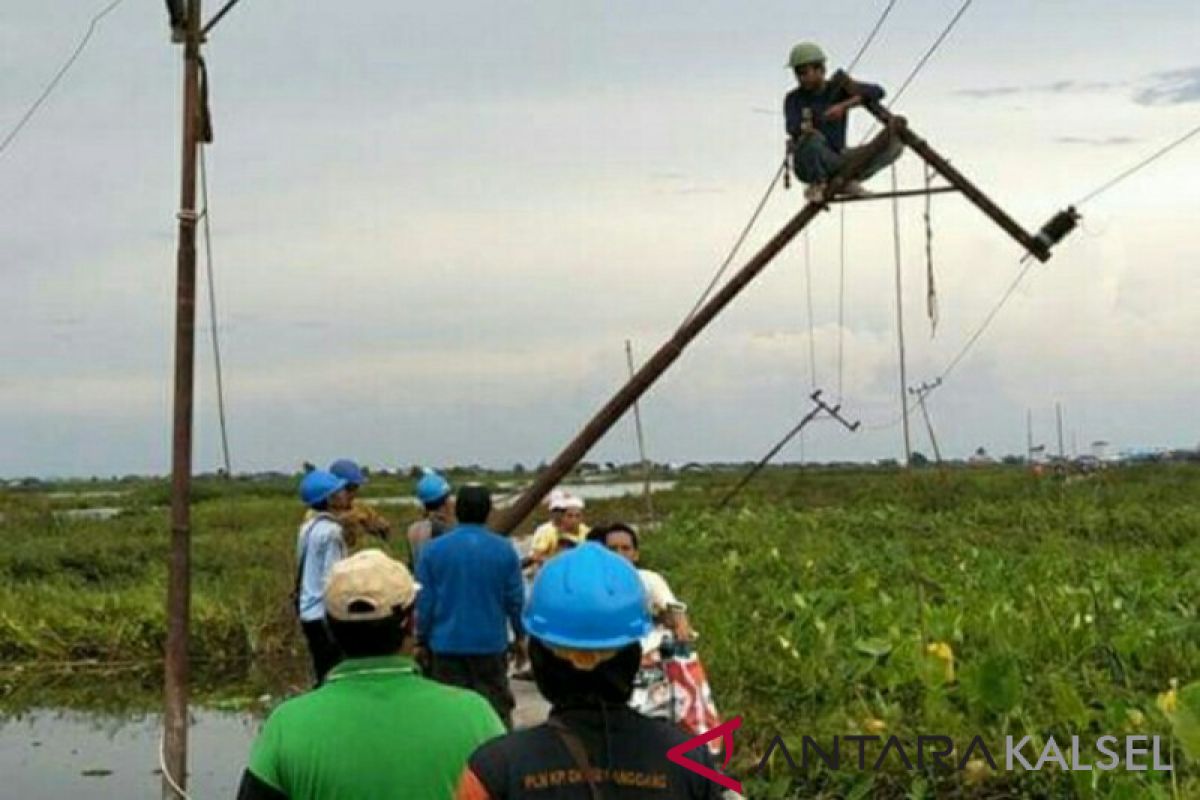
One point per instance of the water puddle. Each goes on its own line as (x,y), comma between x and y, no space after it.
(588,491)
(48,753)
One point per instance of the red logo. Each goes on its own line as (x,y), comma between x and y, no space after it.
(724,731)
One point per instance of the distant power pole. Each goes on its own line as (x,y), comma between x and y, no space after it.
(1062,453)
(900,325)
(921,392)
(1029,435)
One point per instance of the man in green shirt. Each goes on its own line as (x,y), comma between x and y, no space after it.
(375,730)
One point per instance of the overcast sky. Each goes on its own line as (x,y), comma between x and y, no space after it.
(435,225)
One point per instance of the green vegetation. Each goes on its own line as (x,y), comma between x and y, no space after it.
(830,603)
(961,604)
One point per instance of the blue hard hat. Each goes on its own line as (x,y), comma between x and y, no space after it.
(432,488)
(318,486)
(588,599)
(348,471)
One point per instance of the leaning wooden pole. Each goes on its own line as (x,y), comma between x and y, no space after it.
(666,355)
(175,717)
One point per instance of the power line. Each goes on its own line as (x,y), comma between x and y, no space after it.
(58,76)
(929,53)
(812,331)
(987,321)
(737,245)
(1139,166)
(212,314)
(924,60)
(871,36)
(841,349)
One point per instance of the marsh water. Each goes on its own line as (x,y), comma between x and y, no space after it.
(45,753)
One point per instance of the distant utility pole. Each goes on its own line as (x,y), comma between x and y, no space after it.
(900,324)
(641,440)
(921,392)
(1029,435)
(1062,453)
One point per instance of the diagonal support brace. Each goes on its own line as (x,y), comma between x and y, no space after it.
(1035,246)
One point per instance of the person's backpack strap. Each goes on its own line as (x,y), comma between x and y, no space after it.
(304,557)
(574,745)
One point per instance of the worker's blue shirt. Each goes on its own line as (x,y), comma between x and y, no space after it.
(319,545)
(471,591)
(799,100)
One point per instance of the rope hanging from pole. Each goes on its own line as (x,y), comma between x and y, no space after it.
(841,347)
(812,341)
(931,298)
(900,320)
(212,315)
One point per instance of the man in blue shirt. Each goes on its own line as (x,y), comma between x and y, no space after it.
(319,545)
(816,114)
(471,592)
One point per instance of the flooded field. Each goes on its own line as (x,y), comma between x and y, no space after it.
(50,753)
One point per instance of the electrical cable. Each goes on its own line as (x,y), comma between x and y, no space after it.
(212,312)
(58,76)
(1137,167)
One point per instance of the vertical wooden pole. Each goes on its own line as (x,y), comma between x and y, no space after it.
(175,718)
(900,324)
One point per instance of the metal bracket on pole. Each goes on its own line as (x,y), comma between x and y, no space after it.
(820,407)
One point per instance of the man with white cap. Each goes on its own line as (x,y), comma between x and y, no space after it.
(566,526)
(376,728)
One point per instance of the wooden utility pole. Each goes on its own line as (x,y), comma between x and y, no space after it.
(921,392)
(1062,453)
(641,439)
(175,717)
(1029,435)
(900,324)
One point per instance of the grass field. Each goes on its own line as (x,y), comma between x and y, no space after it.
(963,603)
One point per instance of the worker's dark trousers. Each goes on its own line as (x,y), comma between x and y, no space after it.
(816,162)
(324,651)
(487,675)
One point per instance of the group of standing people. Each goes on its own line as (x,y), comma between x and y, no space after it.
(412,696)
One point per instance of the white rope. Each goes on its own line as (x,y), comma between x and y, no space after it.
(166,773)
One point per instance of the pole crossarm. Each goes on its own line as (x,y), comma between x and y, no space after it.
(1035,245)
(890,195)
(669,351)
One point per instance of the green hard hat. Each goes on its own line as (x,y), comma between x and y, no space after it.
(806,53)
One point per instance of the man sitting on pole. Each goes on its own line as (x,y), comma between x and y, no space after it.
(816,113)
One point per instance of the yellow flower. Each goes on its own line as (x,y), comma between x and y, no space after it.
(944,653)
(874,726)
(975,771)
(1136,718)
(1168,701)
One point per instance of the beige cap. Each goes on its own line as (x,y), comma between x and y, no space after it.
(367,586)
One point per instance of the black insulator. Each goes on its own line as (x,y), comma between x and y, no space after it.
(1058,227)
